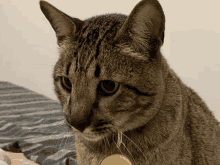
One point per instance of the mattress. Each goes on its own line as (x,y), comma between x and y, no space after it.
(32,124)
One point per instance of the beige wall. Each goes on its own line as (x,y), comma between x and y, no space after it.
(28,48)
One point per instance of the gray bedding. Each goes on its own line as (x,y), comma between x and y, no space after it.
(34,125)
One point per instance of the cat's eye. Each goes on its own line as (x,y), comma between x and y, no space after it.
(108,87)
(66,83)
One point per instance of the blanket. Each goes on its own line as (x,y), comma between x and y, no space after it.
(32,124)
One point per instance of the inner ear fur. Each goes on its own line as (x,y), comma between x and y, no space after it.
(144,27)
(62,24)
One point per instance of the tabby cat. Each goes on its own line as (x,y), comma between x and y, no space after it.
(119,96)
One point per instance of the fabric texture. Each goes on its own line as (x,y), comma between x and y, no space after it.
(34,125)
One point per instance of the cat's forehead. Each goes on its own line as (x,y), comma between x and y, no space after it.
(96,29)
(96,37)
(94,42)
(103,22)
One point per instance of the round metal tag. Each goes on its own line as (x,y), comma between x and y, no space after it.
(116,159)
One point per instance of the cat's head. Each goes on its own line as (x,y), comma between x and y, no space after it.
(109,76)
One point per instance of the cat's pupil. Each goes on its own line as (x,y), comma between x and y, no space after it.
(66,82)
(109,87)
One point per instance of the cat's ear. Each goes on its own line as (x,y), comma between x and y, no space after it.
(62,24)
(144,27)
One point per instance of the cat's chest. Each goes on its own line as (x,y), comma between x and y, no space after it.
(177,151)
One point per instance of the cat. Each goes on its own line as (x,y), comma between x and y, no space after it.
(119,95)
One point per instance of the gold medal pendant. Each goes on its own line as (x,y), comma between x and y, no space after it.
(117,158)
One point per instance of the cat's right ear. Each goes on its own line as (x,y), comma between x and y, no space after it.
(144,28)
(63,25)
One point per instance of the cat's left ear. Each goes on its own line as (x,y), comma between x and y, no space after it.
(144,27)
(64,25)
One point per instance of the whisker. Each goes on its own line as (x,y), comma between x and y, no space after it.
(118,148)
(129,152)
(137,117)
(104,141)
(59,140)
(54,132)
(31,130)
(45,20)
(62,141)
(108,143)
(135,145)
(67,140)
(43,64)
(72,141)
(41,130)
(45,48)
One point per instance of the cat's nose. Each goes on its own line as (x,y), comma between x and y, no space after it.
(79,124)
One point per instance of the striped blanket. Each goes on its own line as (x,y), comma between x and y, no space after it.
(34,125)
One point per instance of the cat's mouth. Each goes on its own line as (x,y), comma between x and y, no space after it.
(87,134)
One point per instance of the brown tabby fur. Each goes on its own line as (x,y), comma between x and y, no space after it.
(162,120)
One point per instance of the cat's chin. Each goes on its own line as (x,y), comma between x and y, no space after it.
(92,137)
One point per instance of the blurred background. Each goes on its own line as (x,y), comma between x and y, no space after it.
(28,48)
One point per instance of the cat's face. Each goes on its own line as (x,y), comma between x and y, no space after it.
(108,77)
